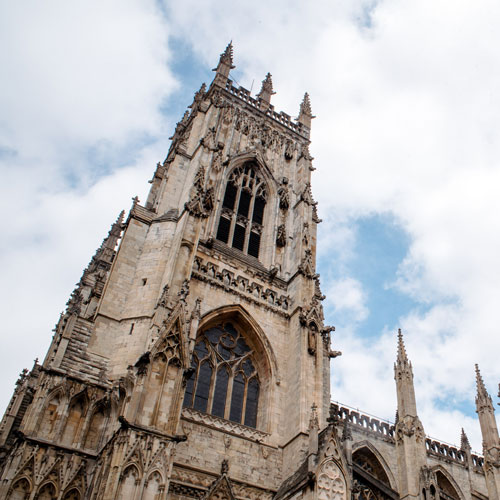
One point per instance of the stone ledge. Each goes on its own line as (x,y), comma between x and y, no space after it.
(223,425)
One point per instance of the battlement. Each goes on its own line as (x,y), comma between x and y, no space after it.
(372,424)
(386,430)
(450,452)
(281,117)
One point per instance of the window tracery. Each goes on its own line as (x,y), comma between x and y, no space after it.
(242,214)
(224,381)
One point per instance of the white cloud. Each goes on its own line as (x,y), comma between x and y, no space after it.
(347,298)
(80,99)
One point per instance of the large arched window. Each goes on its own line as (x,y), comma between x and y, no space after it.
(224,381)
(242,214)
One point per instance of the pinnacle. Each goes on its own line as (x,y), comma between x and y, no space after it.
(481,389)
(305,105)
(119,219)
(401,347)
(313,421)
(464,441)
(267,83)
(227,56)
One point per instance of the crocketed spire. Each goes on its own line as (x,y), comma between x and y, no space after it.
(305,105)
(224,67)
(483,399)
(305,112)
(267,86)
(227,56)
(464,441)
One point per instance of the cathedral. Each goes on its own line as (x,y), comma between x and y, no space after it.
(192,360)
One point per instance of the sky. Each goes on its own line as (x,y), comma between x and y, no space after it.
(407,154)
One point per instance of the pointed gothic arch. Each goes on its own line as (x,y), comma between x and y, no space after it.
(72,494)
(447,484)
(50,416)
(366,453)
(232,369)
(165,365)
(46,491)
(129,483)
(20,490)
(242,217)
(331,482)
(153,485)
(100,413)
(77,410)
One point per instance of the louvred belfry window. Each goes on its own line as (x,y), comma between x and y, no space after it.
(242,214)
(224,381)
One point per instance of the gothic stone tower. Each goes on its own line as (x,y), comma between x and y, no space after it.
(188,359)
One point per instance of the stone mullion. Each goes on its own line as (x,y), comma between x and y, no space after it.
(229,394)
(249,223)
(234,216)
(195,385)
(211,390)
(244,405)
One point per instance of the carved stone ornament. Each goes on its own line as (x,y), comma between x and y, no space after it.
(284,194)
(75,302)
(143,363)
(331,484)
(289,149)
(306,267)
(281,236)
(492,457)
(208,141)
(162,301)
(409,426)
(312,334)
(198,98)
(201,201)
(217,160)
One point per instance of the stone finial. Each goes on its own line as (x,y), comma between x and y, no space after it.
(313,421)
(224,67)
(482,396)
(227,56)
(266,92)
(114,233)
(305,113)
(464,441)
(224,467)
(402,358)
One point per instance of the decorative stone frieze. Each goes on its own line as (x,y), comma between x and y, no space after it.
(251,291)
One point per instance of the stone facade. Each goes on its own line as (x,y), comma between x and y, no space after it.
(192,360)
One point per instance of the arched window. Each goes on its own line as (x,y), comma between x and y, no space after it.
(224,381)
(242,214)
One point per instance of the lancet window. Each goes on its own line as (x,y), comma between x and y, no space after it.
(242,214)
(224,381)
